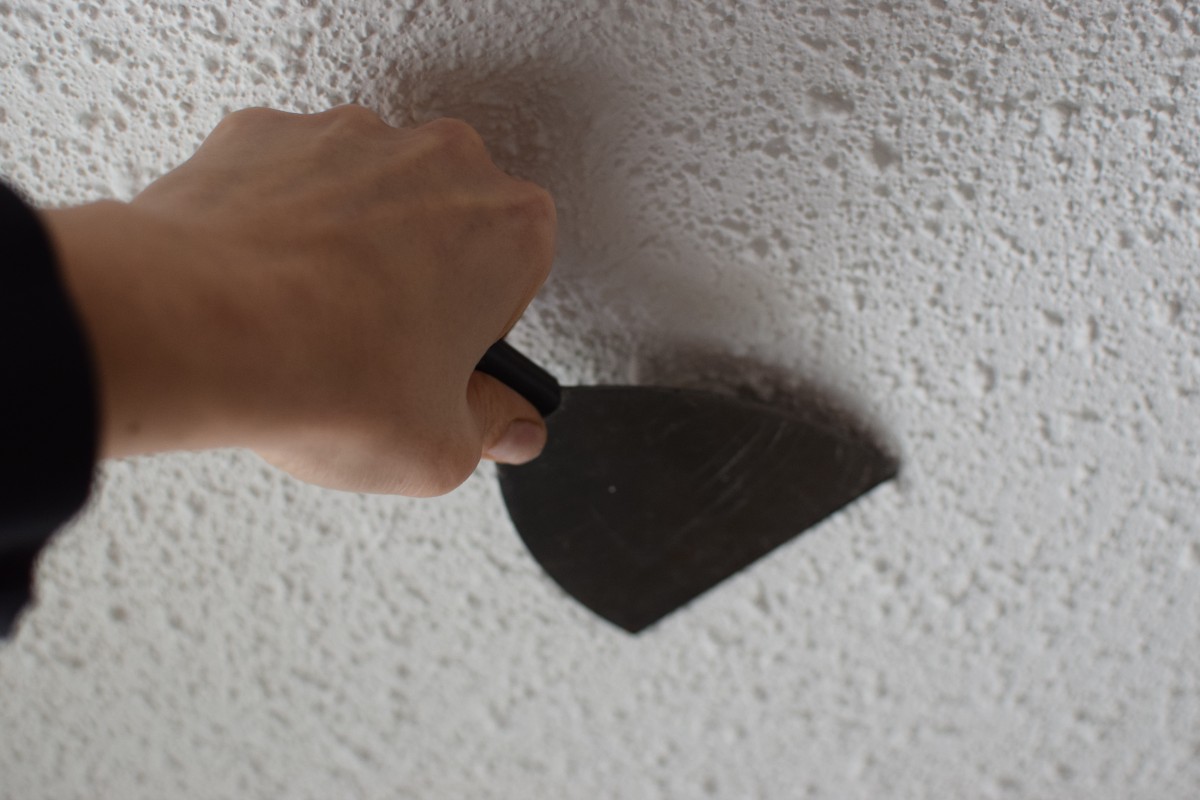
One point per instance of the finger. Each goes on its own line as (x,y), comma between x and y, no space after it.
(534,242)
(511,431)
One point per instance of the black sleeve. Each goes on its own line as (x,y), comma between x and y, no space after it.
(48,405)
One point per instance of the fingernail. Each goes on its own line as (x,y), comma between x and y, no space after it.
(522,442)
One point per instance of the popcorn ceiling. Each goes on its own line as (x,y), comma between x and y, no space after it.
(970,228)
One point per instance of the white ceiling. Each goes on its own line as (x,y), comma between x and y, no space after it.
(971,228)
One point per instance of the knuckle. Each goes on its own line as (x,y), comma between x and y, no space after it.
(538,222)
(354,116)
(454,466)
(537,204)
(446,460)
(245,118)
(454,134)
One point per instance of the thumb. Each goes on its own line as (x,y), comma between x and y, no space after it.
(511,430)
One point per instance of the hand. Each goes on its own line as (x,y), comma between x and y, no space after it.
(318,288)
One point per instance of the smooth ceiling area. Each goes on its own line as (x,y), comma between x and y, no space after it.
(971,229)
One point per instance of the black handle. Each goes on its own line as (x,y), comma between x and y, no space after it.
(506,364)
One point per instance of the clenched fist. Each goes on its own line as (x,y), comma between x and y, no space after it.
(317,288)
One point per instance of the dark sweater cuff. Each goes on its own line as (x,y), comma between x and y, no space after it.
(48,403)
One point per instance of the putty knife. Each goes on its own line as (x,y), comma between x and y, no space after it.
(646,497)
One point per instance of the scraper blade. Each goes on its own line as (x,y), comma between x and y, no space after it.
(646,497)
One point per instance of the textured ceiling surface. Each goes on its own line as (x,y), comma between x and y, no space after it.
(970,228)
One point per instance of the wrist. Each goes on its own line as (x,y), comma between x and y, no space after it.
(154,331)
